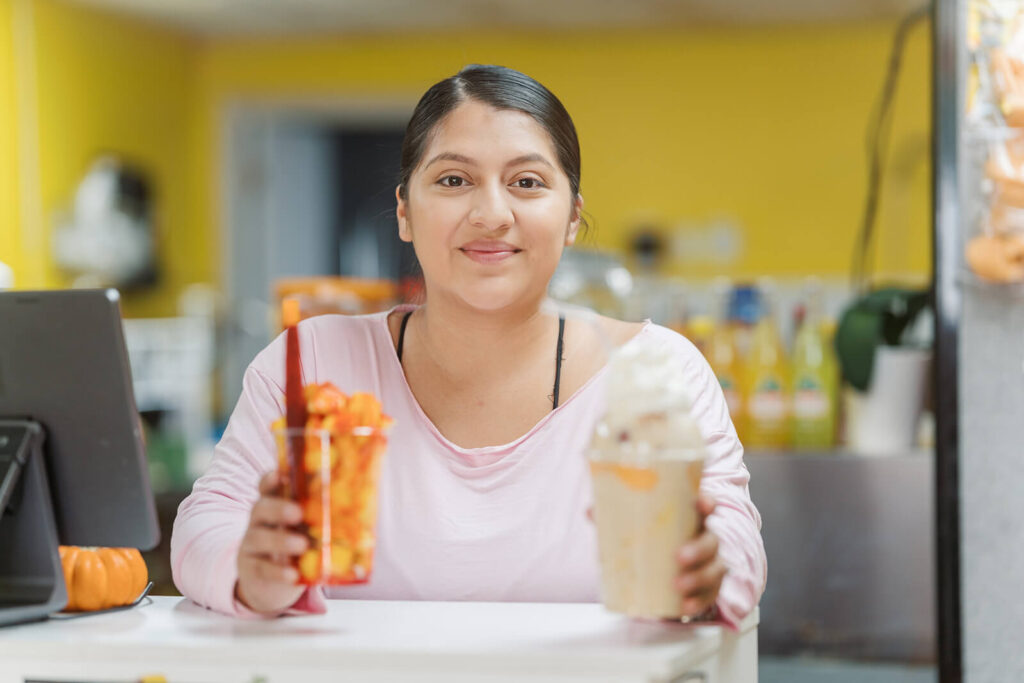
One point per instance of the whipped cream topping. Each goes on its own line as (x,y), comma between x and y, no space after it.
(648,409)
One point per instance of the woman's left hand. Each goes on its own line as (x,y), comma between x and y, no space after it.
(701,570)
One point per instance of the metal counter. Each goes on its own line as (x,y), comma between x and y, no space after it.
(851,546)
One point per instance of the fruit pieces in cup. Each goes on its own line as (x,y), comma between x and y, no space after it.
(343,442)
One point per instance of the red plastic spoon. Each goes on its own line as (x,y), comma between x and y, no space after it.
(295,402)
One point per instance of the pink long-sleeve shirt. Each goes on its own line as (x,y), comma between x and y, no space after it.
(499,523)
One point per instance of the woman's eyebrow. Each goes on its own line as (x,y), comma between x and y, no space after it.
(527,158)
(463,159)
(450,156)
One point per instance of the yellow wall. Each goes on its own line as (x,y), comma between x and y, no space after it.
(762,125)
(9,243)
(108,84)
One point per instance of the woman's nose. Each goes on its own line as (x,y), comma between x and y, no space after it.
(491,208)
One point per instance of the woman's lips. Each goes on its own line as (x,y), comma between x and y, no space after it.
(489,255)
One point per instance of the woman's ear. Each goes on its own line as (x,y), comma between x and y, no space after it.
(574,221)
(404,233)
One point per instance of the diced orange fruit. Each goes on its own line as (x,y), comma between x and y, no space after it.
(309,565)
(341,557)
(325,398)
(314,459)
(341,494)
(350,464)
(313,512)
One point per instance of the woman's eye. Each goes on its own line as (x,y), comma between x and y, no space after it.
(528,183)
(452,181)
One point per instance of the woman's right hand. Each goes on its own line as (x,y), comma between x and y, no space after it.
(267,579)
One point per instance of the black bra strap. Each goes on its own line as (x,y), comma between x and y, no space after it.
(558,361)
(558,352)
(401,334)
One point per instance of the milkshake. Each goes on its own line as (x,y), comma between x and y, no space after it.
(646,461)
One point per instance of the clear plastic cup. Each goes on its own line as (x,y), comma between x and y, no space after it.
(645,509)
(337,490)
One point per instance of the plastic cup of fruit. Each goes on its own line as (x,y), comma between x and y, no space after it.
(337,490)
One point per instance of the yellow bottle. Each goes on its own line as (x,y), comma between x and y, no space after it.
(721,353)
(766,387)
(827,326)
(814,382)
(699,330)
(725,362)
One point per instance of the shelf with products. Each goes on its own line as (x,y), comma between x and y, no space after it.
(992,146)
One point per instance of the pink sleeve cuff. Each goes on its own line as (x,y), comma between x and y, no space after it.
(219,595)
(312,601)
(727,615)
(734,602)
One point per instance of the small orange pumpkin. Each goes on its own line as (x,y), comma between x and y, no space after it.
(100,578)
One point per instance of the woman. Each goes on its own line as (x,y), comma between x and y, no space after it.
(484,491)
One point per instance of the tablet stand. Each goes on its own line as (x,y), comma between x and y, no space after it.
(31,577)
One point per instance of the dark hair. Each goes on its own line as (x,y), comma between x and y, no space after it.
(502,88)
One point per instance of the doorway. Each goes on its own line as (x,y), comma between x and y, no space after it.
(309,192)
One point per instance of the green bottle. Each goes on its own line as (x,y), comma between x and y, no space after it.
(814,381)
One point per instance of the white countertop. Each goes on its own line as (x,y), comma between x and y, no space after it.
(370,640)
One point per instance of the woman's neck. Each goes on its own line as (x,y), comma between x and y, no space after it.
(468,344)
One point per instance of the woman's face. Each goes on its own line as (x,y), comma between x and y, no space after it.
(488,209)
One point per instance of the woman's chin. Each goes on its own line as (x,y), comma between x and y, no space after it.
(491,304)
(493,297)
